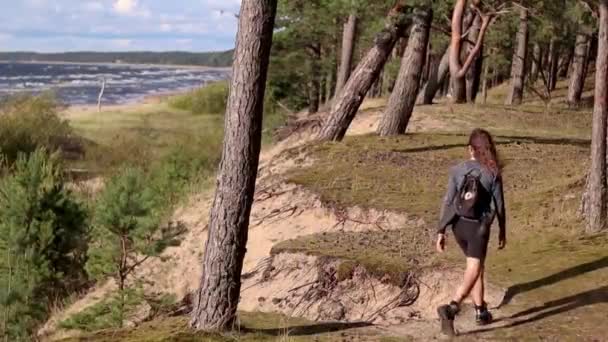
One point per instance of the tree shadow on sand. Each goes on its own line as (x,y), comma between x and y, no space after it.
(554,278)
(313,329)
(552,308)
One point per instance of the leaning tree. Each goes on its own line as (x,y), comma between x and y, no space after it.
(218,295)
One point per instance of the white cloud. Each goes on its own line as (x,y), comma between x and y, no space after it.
(122,43)
(164,27)
(4,36)
(130,8)
(125,6)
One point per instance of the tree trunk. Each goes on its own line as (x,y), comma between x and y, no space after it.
(346,104)
(457,70)
(348,47)
(564,67)
(484,88)
(376,89)
(591,53)
(436,79)
(553,58)
(472,77)
(518,67)
(401,103)
(218,295)
(314,84)
(536,62)
(577,77)
(329,85)
(596,206)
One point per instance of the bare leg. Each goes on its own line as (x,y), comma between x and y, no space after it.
(478,289)
(471,277)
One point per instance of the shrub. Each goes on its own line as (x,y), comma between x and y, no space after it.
(210,99)
(127,229)
(31,122)
(43,241)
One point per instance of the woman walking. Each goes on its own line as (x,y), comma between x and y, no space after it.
(473,199)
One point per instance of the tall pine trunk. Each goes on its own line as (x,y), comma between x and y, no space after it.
(473,75)
(484,87)
(553,64)
(349,36)
(577,76)
(518,66)
(218,296)
(401,102)
(462,19)
(596,205)
(537,65)
(437,76)
(565,65)
(347,103)
(314,83)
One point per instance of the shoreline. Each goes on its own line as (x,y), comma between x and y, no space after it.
(72,112)
(140,65)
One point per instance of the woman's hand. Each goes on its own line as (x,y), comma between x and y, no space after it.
(440,243)
(502,242)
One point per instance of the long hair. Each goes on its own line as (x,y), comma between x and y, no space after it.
(483,146)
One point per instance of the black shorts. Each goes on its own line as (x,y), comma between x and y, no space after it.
(472,237)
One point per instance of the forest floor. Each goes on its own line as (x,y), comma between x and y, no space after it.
(357,217)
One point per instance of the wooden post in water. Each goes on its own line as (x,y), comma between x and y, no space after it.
(103,88)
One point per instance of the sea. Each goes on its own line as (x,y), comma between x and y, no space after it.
(80,84)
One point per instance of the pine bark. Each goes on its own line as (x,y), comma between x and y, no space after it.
(314,83)
(347,103)
(401,102)
(553,63)
(460,20)
(518,66)
(577,76)
(218,295)
(484,87)
(536,62)
(349,36)
(565,65)
(596,206)
(473,75)
(437,77)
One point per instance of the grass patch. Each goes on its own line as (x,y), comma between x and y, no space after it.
(408,174)
(252,327)
(210,99)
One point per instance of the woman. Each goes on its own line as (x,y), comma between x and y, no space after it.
(482,204)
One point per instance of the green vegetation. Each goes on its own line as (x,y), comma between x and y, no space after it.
(212,59)
(252,327)
(28,123)
(43,242)
(128,229)
(210,99)
(151,158)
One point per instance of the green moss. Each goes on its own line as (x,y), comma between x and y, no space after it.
(252,327)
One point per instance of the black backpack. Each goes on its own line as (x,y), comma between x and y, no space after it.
(471,201)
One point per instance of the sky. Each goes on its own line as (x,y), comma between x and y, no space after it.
(117,25)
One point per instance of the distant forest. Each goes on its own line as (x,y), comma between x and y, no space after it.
(212,59)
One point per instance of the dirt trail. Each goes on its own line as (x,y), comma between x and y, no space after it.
(284,211)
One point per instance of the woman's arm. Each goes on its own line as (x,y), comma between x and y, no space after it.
(448,199)
(499,202)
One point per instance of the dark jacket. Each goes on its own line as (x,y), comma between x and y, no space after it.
(491,182)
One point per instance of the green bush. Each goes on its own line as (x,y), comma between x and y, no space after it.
(31,122)
(43,242)
(106,314)
(128,229)
(210,99)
